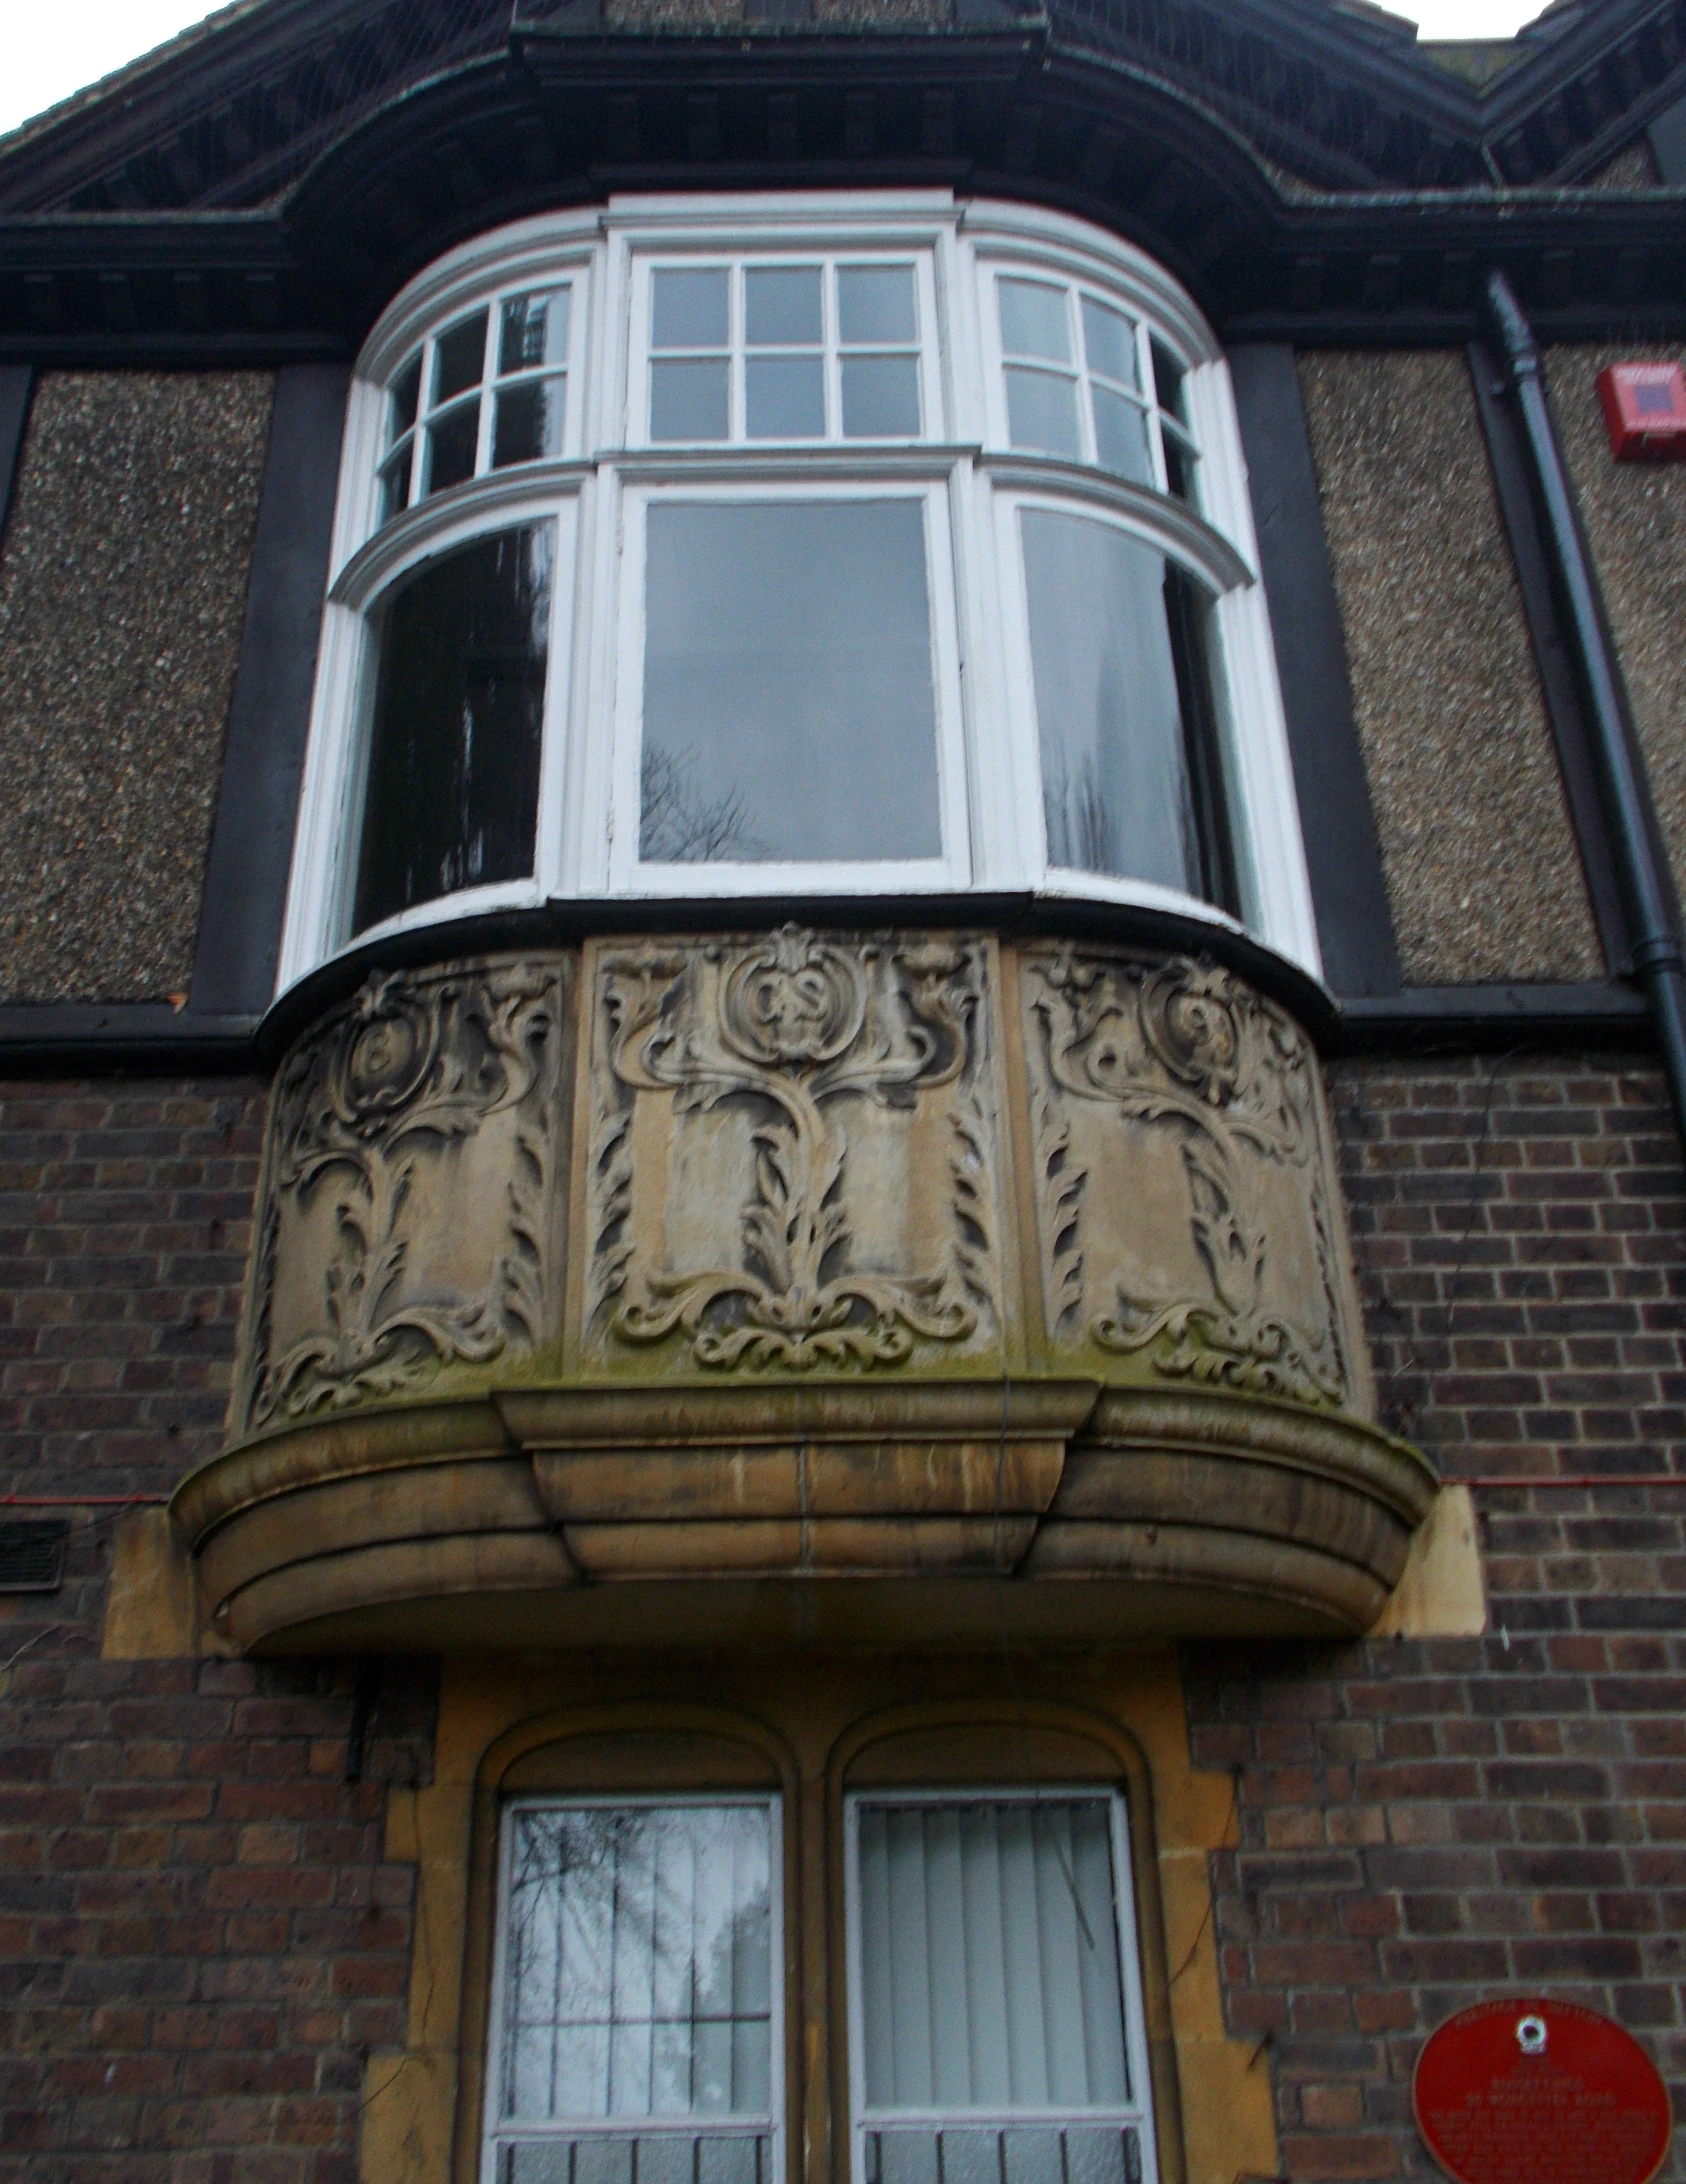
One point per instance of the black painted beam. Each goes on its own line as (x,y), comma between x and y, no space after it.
(1343,853)
(269,718)
(17,382)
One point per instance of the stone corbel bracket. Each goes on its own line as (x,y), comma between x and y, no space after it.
(1048,1509)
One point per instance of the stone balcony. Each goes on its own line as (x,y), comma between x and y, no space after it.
(800,1288)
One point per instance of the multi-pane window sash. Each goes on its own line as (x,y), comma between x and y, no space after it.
(637,2031)
(1087,381)
(487,391)
(680,501)
(773,349)
(995,2002)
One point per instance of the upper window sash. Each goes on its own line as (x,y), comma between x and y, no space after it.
(494,384)
(783,347)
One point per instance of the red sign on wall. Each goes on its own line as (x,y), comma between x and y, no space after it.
(1537,2092)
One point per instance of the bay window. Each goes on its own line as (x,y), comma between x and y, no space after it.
(840,545)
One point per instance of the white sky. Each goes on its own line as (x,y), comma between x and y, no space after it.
(52,50)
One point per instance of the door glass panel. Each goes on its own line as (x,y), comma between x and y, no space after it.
(458,711)
(1115,777)
(789,707)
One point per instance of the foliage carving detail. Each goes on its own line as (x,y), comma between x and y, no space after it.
(796,1031)
(364,1110)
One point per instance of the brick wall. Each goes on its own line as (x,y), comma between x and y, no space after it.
(198,1933)
(1421,1826)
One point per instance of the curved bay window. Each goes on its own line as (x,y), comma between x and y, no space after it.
(829,546)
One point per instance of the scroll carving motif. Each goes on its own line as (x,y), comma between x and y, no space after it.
(1190,1057)
(407,1213)
(817,1060)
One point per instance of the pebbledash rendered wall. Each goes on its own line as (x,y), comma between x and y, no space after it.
(200,1937)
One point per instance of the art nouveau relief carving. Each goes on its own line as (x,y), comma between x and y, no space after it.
(793,1158)
(1184,1205)
(409,1196)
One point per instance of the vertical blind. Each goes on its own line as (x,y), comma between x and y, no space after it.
(989,1956)
(639,1986)
(992,2001)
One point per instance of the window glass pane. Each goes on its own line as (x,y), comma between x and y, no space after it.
(1042,413)
(788,702)
(876,303)
(689,400)
(881,397)
(782,306)
(990,1975)
(459,357)
(1121,442)
(395,484)
(451,447)
(1180,468)
(405,392)
(528,423)
(454,743)
(639,1970)
(1034,321)
(1115,786)
(1170,382)
(688,309)
(784,398)
(534,330)
(1109,342)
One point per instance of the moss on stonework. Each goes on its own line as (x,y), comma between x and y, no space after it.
(122,591)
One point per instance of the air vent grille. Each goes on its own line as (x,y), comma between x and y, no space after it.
(32,1556)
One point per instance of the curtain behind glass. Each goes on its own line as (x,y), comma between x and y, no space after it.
(453,783)
(989,1956)
(1126,709)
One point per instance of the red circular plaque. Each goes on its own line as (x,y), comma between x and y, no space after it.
(1535,2092)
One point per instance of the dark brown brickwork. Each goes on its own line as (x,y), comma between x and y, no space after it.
(199,1935)
(1425,1825)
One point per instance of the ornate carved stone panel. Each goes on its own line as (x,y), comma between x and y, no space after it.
(409,1212)
(793,1159)
(1187,1222)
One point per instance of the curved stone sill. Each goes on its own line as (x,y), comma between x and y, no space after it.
(1057,1510)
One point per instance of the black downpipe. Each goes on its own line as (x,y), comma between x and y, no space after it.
(1641,869)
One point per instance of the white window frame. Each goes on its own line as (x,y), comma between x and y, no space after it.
(1137,2113)
(989,774)
(494,2136)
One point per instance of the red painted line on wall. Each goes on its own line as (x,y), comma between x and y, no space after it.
(1586,1478)
(82,1501)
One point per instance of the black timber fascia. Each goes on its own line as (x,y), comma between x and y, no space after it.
(246,872)
(17,383)
(567,119)
(1424,1021)
(1594,86)
(122,1038)
(1338,824)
